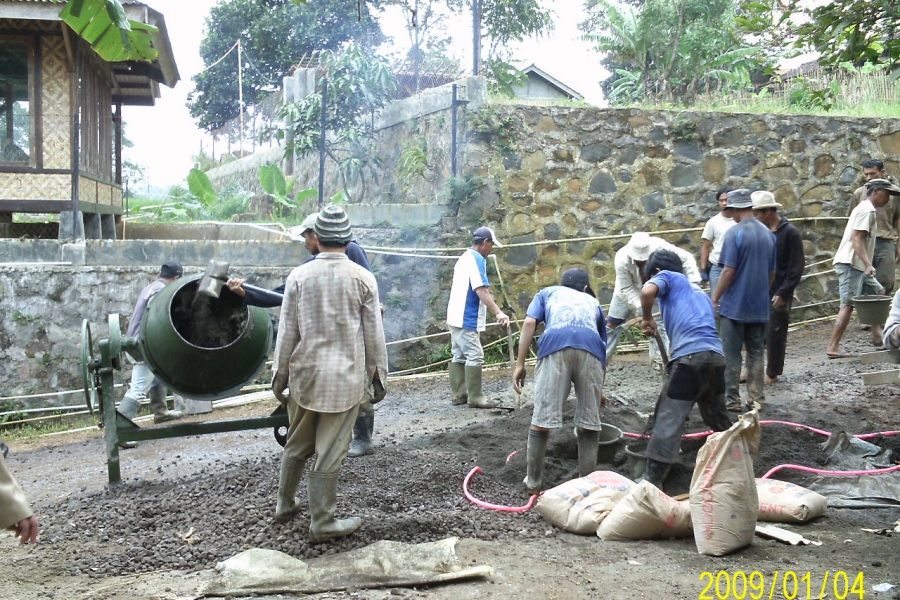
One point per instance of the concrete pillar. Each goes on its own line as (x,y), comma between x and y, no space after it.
(92,230)
(65,225)
(108,227)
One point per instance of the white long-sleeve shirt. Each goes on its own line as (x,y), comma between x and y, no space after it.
(628,276)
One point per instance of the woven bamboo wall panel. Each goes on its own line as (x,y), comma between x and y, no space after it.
(117,196)
(55,78)
(35,186)
(28,25)
(87,190)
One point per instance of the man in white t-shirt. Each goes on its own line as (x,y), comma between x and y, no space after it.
(853,261)
(713,235)
(469,297)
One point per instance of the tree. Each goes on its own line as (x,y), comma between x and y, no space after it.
(359,83)
(668,50)
(424,24)
(274,35)
(856,31)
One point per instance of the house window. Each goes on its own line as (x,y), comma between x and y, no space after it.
(16,105)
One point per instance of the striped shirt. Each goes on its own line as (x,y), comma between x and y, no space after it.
(330,337)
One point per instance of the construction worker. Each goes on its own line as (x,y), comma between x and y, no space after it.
(469,296)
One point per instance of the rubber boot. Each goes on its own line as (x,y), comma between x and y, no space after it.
(321,490)
(291,474)
(457,373)
(588,445)
(161,412)
(477,398)
(656,472)
(362,434)
(129,407)
(537,448)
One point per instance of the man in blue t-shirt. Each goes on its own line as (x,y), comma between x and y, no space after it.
(742,299)
(572,350)
(696,367)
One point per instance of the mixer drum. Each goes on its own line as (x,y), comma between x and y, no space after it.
(202,347)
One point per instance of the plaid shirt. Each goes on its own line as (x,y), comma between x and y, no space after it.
(330,338)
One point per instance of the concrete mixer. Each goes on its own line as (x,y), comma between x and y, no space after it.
(200,346)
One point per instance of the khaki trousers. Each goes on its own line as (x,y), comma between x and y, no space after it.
(327,435)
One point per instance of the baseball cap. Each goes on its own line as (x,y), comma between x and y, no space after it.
(170,269)
(883,184)
(309,223)
(486,233)
(739,199)
(577,279)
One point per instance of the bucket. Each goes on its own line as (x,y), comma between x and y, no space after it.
(872,310)
(610,437)
(637,461)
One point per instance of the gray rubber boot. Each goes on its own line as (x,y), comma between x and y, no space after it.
(129,407)
(537,448)
(477,398)
(588,445)
(656,472)
(457,372)
(321,489)
(161,412)
(291,474)
(362,434)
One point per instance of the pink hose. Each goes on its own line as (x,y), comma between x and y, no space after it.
(488,505)
(701,434)
(774,470)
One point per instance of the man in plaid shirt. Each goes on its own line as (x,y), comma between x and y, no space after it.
(330,350)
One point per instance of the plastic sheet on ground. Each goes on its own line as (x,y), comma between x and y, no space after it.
(382,564)
(849,453)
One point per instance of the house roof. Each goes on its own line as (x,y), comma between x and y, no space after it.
(134,82)
(532,69)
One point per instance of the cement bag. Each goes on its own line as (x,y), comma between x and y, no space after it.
(581,504)
(783,502)
(646,513)
(724,503)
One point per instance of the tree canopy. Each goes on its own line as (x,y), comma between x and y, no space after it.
(667,50)
(274,35)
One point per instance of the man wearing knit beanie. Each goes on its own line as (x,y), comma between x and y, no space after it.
(330,351)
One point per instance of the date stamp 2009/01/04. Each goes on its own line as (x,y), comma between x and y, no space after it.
(790,585)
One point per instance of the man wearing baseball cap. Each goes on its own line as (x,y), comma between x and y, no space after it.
(742,298)
(571,351)
(789,264)
(143,383)
(853,261)
(466,319)
(626,301)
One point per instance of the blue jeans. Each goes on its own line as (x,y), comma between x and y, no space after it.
(715,271)
(735,336)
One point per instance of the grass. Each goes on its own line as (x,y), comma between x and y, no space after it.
(848,92)
(57,423)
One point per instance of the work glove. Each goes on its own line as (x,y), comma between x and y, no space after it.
(704,276)
(378,391)
(279,387)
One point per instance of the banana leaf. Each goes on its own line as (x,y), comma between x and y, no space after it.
(103,24)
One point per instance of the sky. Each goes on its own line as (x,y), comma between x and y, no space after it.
(166,138)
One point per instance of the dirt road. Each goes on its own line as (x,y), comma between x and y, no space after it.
(187,503)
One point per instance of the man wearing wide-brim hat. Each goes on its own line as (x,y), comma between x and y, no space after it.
(789,264)
(742,298)
(853,261)
(887,218)
(626,301)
